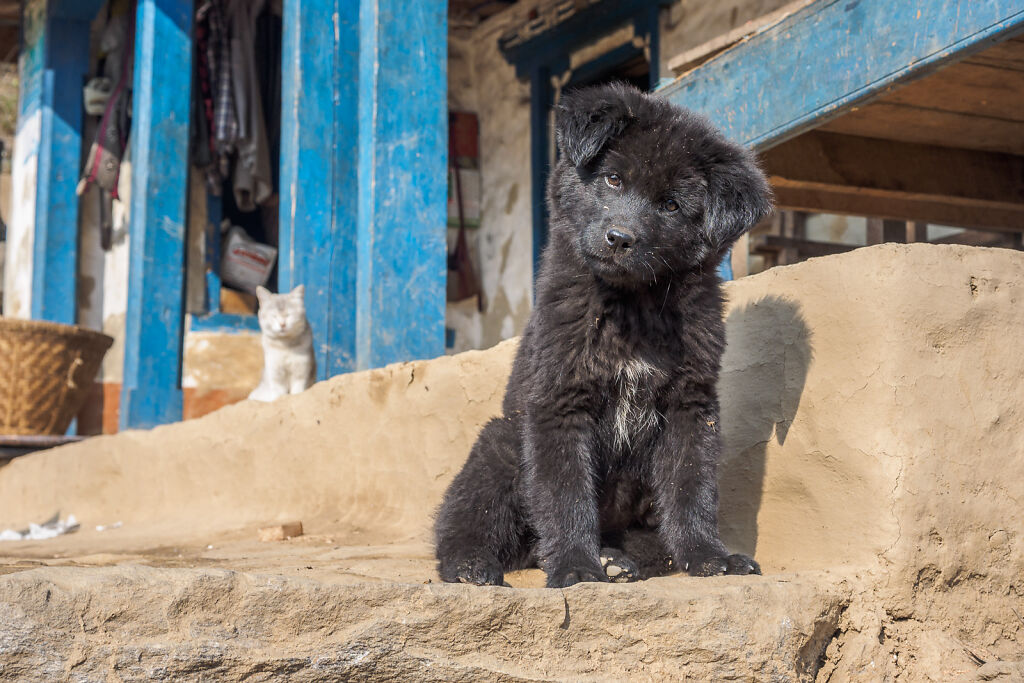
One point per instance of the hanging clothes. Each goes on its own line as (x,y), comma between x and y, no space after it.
(103,162)
(252,178)
(203,151)
(213,100)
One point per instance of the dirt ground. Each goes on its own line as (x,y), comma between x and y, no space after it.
(874,465)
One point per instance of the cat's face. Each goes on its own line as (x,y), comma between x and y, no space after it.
(282,316)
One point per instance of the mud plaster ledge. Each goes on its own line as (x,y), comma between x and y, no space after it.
(872,414)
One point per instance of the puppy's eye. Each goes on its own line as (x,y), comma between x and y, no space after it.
(613,180)
(671,205)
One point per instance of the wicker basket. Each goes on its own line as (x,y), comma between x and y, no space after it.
(46,371)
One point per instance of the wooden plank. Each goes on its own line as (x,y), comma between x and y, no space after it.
(803,247)
(976,238)
(1008,54)
(403,154)
(854,201)
(832,56)
(154,326)
(967,88)
(694,57)
(931,127)
(319,171)
(924,170)
(363,179)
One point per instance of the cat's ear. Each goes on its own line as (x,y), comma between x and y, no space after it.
(299,292)
(262,294)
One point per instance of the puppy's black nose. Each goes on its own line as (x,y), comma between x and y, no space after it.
(619,239)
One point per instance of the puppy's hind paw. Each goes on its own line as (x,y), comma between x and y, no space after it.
(618,566)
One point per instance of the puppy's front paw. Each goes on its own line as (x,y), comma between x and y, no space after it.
(729,564)
(618,566)
(476,572)
(568,576)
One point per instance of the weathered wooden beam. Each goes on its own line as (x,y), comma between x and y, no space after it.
(694,57)
(977,238)
(824,198)
(804,248)
(831,56)
(828,172)
(150,392)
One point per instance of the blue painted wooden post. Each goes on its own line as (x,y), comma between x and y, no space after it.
(832,56)
(318,179)
(403,153)
(151,393)
(363,177)
(55,61)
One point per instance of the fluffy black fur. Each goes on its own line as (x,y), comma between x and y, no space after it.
(609,442)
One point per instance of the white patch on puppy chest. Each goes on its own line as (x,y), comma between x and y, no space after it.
(633,416)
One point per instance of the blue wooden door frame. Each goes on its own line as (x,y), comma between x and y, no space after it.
(154,327)
(55,61)
(363,177)
(547,54)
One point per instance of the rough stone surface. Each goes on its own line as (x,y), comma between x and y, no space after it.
(145,624)
(872,415)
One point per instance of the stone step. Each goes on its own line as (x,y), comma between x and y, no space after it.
(134,623)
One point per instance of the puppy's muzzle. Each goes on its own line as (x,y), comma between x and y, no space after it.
(619,239)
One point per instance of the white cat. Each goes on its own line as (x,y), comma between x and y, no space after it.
(289,366)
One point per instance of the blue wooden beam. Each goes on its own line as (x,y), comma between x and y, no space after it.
(151,393)
(363,177)
(55,62)
(403,155)
(318,179)
(834,55)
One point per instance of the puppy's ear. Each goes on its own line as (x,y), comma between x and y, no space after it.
(738,196)
(588,118)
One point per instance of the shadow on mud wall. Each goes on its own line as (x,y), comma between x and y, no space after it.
(764,369)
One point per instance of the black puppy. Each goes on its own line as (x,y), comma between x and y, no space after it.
(610,439)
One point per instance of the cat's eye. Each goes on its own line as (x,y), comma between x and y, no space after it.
(671,205)
(613,180)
